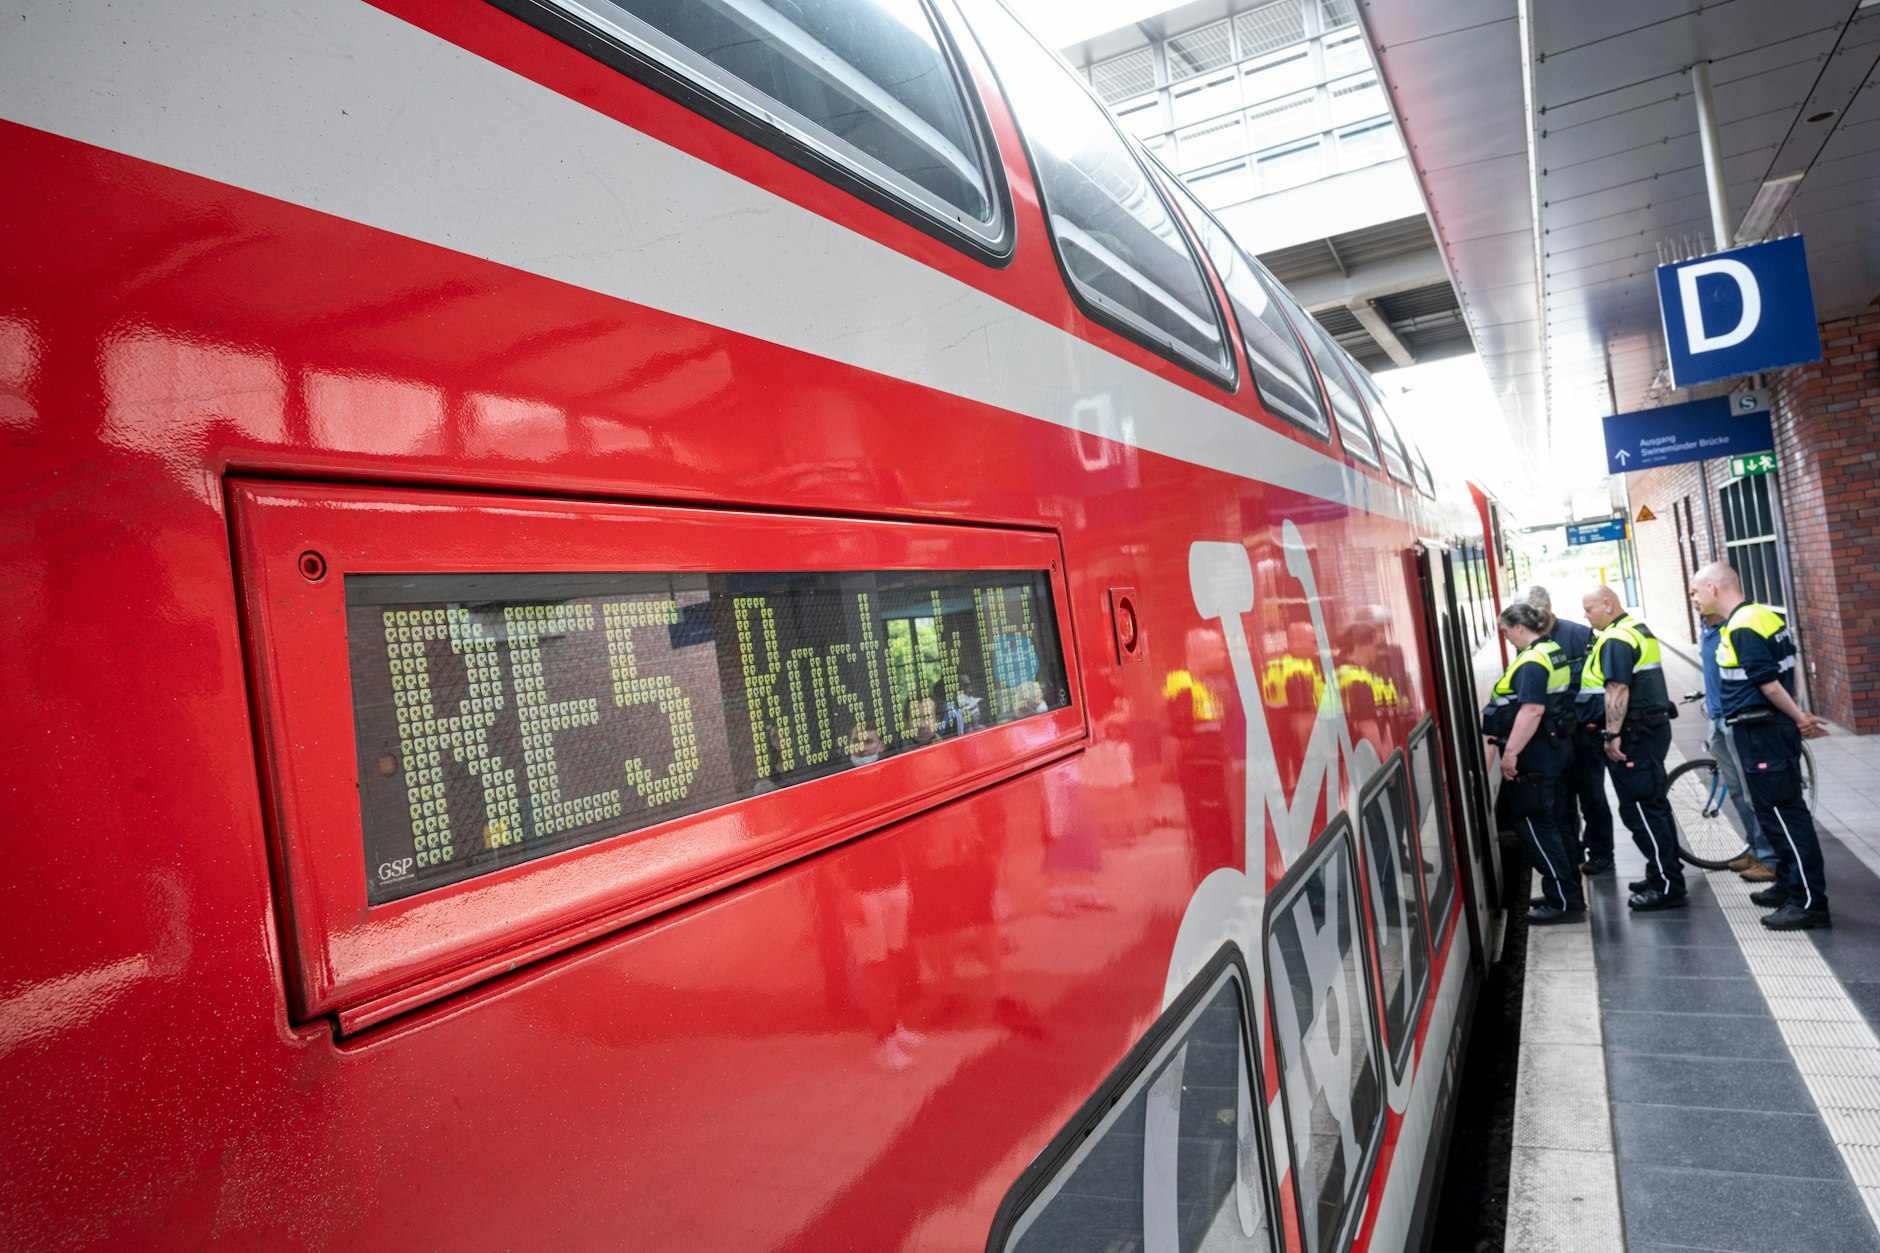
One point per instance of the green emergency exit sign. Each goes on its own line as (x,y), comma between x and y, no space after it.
(1755,463)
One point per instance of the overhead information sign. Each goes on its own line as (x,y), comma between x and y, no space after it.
(1696,431)
(1733,313)
(502,717)
(1595,532)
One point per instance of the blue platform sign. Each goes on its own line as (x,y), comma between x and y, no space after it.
(1733,313)
(1696,431)
(1594,532)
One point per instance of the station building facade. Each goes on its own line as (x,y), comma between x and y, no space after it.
(1273,114)
(1805,537)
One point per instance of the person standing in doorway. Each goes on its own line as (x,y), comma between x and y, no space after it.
(1583,783)
(1758,865)
(1756,668)
(1529,717)
(1622,690)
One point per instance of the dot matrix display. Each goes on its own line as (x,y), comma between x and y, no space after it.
(503,717)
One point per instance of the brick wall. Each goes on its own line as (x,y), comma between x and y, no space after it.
(1827,424)
(1827,428)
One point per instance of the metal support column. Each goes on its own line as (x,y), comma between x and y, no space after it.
(1713,156)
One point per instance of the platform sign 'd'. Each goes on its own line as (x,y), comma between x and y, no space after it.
(1595,532)
(1697,431)
(1733,313)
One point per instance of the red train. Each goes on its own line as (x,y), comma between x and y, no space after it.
(687,626)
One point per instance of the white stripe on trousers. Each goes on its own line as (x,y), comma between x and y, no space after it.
(1729,739)
(1653,837)
(1808,895)
(1551,872)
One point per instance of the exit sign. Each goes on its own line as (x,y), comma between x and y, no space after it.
(1758,463)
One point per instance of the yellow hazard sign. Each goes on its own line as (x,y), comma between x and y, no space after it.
(1645,514)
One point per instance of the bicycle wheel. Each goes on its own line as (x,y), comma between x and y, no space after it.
(1705,836)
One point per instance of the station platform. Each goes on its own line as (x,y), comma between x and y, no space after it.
(1691,1080)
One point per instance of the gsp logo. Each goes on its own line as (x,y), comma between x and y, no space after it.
(392,871)
(1738,312)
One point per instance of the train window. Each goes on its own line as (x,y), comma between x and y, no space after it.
(1425,482)
(1432,808)
(1396,455)
(1170,1156)
(1393,873)
(1274,355)
(867,88)
(1122,253)
(1325,1038)
(1346,411)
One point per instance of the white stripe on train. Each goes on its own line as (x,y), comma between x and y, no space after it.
(345,109)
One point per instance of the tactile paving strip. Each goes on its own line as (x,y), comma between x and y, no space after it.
(1833,1045)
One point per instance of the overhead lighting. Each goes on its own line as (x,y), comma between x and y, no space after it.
(1771,199)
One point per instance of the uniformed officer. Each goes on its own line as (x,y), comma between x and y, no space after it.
(1583,782)
(1622,691)
(1530,716)
(1756,662)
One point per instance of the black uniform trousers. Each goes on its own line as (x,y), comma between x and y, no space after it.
(1639,784)
(1583,797)
(1770,756)
(1533,804)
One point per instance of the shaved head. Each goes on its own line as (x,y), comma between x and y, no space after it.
(1602,606)
(1716,589)
(1720,573)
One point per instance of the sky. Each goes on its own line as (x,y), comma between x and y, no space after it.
(1451,413)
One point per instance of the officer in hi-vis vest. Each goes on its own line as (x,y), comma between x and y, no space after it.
(1622,691)
(1756,661)
(1530,716)
(1583,782)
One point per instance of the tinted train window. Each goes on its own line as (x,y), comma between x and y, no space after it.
(1280,373)
(866,83)
(1426,789)
(1119,245)
(1396,457)
(1425,483)
(1175,1163)
(1393,868)
(1345,408)
(1325,1038)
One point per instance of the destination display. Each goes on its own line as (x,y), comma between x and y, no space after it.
(503,717)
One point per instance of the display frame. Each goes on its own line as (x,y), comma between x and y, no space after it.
(296,543)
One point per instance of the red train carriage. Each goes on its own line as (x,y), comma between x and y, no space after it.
(700,625)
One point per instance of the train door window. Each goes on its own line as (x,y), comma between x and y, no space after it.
(1344,402)
(1396,462)
(1429,797)
(1170,1156)
(1325,1038)
(867,89)
(1393,875)
(1122,253)
(1274,355)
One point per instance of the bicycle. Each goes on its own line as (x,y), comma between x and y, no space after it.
(1707,838)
